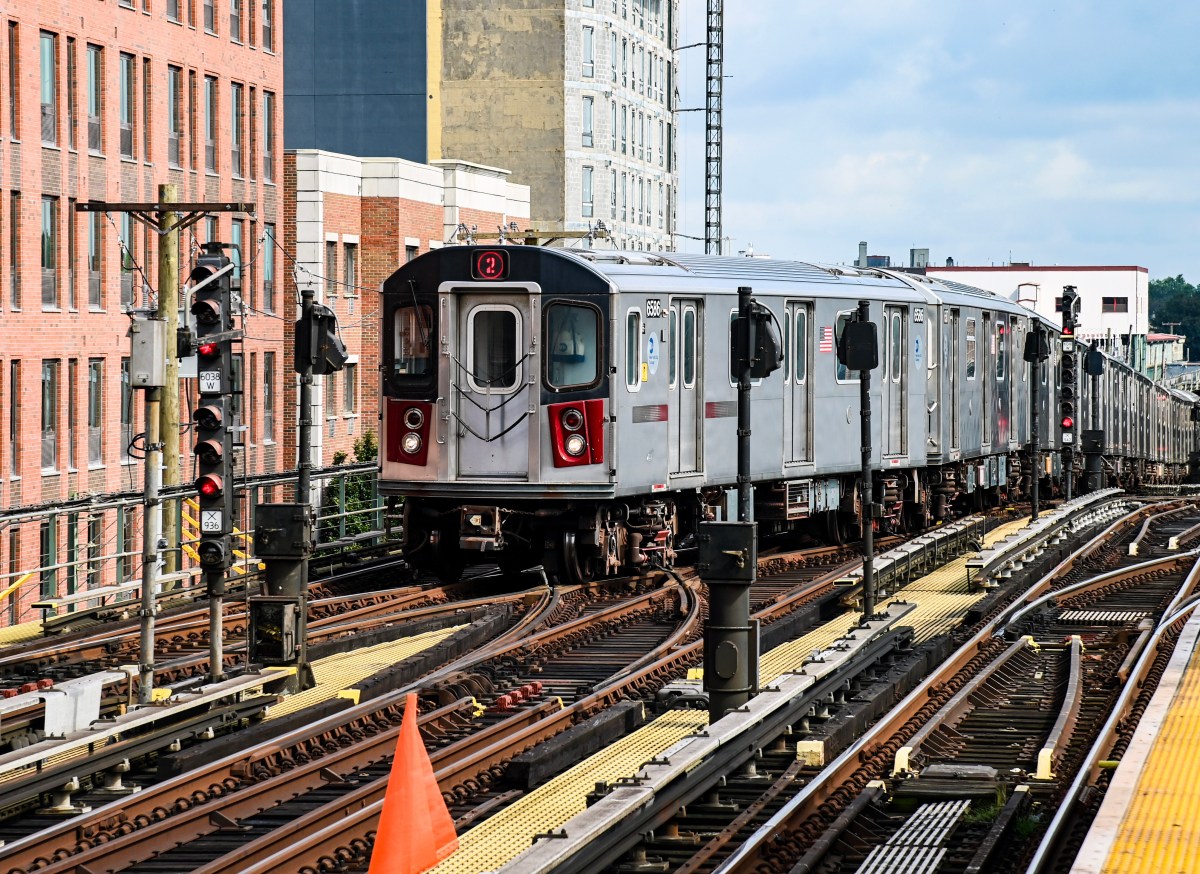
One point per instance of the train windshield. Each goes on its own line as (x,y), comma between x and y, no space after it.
(413,341)
(573,360)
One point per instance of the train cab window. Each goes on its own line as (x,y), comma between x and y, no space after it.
(573,361)
(413,330)
(633,350)
(971,349)
(493,360)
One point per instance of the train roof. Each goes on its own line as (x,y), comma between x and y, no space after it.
(764,273)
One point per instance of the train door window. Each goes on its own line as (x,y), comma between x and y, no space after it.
(413,329)
(971,349)
(633,350)
(800,367)
(493,334)
(689,347)
(930,346)
(574,358)
(897,347)
(1001,348)
(843,374)
(673,346)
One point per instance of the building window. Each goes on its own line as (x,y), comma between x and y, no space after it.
(95,544)
(126,243)
(95,96)
(330,267)
(350,389)
(252,140)
(211,231)
(235,20)
(95,264)
(588,199)
(147,103)
(330,385)
(624,197)
(173,10)
(125,93)
(14,82)
(268,25)
(126,412)
(588,123)
(14,249)
(589,52)
(72,256)
(268,397)
(268,122)
(237,129)
(612,53)
(411,252)
(350,267)
(50,253)
(210,16)
(95,412)
(1114,305)
(210,124)
(268,262)
(46,557)
(235,254)
(174,116)
(72,410)
(49,88)
(49,415)
(14,418)
(72,92)
(192,108)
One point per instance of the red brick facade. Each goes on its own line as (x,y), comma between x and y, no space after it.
(106,100)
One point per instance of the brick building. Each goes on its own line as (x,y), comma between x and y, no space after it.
(351,222)
(106,100)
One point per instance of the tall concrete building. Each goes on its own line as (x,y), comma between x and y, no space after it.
(576,98)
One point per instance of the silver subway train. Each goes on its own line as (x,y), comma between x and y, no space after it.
(578,408)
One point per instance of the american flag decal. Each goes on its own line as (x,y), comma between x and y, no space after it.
(826,344)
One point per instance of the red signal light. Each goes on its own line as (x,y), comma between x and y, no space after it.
(1068,423)
(207,350)
(1068,331)
(209,485)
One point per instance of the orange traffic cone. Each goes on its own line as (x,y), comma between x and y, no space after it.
(415,829)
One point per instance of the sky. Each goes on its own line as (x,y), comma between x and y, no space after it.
(1050,132)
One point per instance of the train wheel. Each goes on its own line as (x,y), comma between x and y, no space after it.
(833,528)
(446,561)
(578,566)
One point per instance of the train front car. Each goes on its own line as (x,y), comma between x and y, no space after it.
(495,406)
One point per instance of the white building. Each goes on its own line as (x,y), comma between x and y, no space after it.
(1114,301)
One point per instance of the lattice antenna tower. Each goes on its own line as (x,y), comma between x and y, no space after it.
(712,130)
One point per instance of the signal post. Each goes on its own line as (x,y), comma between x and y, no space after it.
(1068,384)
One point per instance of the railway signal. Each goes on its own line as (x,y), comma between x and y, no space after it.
(214,443)
(1068,383)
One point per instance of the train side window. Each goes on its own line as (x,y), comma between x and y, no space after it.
(633,350)
(413,330)
(573,361)
(689,347)
(673,345)
(971,349)
(800,359)
(897,346)
(493,359)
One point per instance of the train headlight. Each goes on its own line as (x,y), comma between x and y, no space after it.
(413,419)
(575,445)
(411,443)
(572,419)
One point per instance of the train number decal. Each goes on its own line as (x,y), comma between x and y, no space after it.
(654,308)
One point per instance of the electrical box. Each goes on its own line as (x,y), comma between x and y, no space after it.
(272,635)
(728,551)
(282,531)
(148,353)
(1092,441)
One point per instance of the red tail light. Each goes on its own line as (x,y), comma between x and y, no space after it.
(577,432)
(409,426)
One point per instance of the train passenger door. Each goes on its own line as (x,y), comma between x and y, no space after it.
(797,440)
(895,381)
(492,381)
(933,405)
(686,327)
(989,344)
(952,363)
